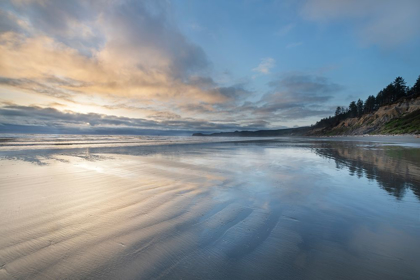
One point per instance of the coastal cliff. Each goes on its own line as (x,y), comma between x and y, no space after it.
(402,117)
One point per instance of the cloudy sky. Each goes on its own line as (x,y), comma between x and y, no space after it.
(121,66)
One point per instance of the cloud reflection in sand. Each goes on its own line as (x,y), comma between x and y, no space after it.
(302,209)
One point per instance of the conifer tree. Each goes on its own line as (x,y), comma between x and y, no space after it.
(400,88)
(359,105)
(415,89)
(353,109)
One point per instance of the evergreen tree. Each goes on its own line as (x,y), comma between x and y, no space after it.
(388,94)
(353,109)
(359,108)
(391,93)
(379,100)
(370,104)
(415,89)
(338,111)
(400,88)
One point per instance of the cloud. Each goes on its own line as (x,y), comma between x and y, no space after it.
(70,22)
(148,38)
(386,23)
(265,65)
(9,22)
(128,58)
(286,29)
(295,96)
(164,116)
(234,93)
(301,84)
(196,27)
(52,86)
(15,118)
(293,45)
(141,53)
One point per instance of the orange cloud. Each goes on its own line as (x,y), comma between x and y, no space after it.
(106,72)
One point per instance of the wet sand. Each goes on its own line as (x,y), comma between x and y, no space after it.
(278,209)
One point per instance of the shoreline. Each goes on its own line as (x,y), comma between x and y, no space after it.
(14,147)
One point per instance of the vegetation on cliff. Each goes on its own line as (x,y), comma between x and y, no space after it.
(407,124)
(394,110)
(395,92)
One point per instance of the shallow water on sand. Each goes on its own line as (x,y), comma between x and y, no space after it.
(208,208)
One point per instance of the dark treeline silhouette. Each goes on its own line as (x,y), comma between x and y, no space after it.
(392,93)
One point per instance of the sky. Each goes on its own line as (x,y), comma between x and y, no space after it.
(182,66)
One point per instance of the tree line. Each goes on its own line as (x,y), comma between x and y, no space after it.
(394,92)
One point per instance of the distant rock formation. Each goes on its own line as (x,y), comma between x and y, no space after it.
(300,131)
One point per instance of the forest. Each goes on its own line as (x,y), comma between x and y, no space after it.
(392,93)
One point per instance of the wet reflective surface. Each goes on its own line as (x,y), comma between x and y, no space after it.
(189,208)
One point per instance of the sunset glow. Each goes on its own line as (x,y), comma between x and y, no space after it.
(188,66)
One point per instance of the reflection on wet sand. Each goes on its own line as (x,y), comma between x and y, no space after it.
(246,210)
(396,169)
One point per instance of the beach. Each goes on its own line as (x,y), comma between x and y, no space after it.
(194,208)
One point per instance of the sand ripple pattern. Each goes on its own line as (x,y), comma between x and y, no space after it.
(245,213)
